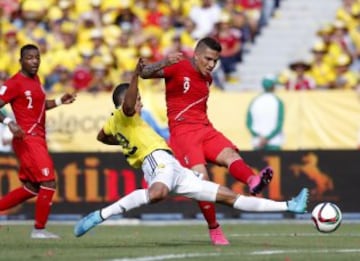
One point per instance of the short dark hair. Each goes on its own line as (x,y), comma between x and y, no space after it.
(209,42)
(26,48)
(118,92)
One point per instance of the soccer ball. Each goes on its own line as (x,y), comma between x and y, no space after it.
(326,217)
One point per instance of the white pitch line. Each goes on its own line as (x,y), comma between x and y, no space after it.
(166,257)
(295,234)
(316,251)
(253,253)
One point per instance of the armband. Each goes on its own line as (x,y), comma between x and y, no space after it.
(58,101)
(7,120)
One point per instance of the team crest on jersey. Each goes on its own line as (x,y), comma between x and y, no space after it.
(27,93)
(45,172)
(161,166)
(186,84)
(3,89)
(29,98)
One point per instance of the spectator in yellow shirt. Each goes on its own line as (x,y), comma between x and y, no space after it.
(320,71)
(9,58)
(343,13)
(345,78)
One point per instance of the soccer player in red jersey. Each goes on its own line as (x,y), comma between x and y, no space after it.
(193,138)
(27,98)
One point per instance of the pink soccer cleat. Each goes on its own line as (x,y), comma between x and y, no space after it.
(259,182)
(217,237)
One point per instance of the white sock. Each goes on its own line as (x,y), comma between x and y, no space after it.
(133,200)
(259,204)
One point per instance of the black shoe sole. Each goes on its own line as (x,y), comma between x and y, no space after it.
(265,180)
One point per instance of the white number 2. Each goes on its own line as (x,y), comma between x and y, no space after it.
(30,106)
(3,89)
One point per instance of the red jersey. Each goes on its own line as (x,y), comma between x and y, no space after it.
(303,83)
(249,4)
(27,99)
(187,92)
(228,41)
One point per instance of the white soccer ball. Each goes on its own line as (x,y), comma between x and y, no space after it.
(327,217)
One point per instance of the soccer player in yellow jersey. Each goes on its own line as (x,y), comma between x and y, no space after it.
(163,173)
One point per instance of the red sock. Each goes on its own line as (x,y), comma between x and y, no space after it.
(240,171)
(43,206)
(208,210)
(15,197)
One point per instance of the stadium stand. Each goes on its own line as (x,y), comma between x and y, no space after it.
(288,35)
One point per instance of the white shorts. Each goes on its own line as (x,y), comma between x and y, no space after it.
(161,166)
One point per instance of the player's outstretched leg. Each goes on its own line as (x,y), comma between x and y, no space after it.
(298,204)
(259,182)
(87,223)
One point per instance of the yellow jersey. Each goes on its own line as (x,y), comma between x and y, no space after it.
(322,73)
(137,139)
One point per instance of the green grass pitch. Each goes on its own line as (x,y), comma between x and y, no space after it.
(249,241)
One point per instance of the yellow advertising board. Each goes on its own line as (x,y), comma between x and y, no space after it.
(313,119)
(74,127)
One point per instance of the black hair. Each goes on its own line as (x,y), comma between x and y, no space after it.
(209,42)
(118,92)
(26,48)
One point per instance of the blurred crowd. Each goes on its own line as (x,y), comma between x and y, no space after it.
(91,45)
(334,59)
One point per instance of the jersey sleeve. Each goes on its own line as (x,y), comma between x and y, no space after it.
(8,91)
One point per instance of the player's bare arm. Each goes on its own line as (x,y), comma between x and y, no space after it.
(155,70)
(16,130)
(132,93)
(66,98)
(107,139)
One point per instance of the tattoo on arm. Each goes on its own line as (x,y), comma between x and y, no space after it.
(154,70)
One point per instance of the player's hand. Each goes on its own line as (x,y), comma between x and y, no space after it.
(16,130)
(68,98)
(174,58)
(139,66)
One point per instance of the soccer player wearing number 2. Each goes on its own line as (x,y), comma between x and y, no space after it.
(27,99)
(193,138)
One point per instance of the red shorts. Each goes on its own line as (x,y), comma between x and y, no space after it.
(198,146)
(35,162)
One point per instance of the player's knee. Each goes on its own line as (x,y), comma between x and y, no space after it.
(226,196)
(227,156)
(158,192)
